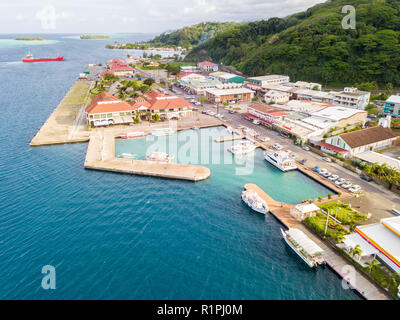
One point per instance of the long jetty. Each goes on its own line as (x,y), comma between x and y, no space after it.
(67,124)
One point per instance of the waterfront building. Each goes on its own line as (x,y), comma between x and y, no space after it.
(168,107)
(384,237)
(226,77)
(356,142)
(120,68)
(303,211)
(367,253)
(273,96)
(106,109)
(234,95)
(392,106)
(265,114)
(207,66)
(351,98)
(263,81)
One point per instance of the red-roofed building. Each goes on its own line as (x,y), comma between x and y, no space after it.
(207,66)
(120,68)
(266,113)
(168,106)
(106,109)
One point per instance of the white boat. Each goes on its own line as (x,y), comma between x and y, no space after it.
(242,148)
(131,135)
(305,248)
(128,156)
(281,160)
(160,157)
(163,132)
(254,201)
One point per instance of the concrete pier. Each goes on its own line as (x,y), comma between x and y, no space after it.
(67,122)
(230,138)
(101,156)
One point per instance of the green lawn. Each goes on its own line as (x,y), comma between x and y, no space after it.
(318,223)
(343,212)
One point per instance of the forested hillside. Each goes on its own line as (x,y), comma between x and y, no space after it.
(193,35)
(312,45)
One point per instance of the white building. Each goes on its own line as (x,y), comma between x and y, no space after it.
(307,85)
(351,98)
(303,211)
(272,79)
(273,96)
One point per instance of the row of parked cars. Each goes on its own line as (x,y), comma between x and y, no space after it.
(213,114)
(340,182)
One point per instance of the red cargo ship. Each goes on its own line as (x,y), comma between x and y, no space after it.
(29,58)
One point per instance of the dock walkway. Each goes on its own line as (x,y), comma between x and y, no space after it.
(334,260)
(230,138)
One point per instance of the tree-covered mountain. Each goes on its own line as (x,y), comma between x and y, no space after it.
(192,35)
(312,45)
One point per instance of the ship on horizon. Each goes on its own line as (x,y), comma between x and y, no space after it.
(29,58)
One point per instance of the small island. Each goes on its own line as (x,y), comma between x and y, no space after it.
(94,36)
(30,38)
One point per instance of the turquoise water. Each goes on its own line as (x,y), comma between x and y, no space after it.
(227,171)
(115,236)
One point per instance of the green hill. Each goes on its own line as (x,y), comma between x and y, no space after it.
(312,45)
(192,35)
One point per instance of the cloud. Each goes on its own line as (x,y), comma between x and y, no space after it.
(201,6)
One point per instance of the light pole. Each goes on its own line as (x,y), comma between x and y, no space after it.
(327,220)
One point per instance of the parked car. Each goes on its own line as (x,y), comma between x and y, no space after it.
(316,169)
(293,155)
(327,174)
(346,185)
(327,159)
(255,121)
(366,177)
(231,111)
(303,162)
(322,171)
(340,181)
(265,139)
(333,177)
(306,148)
(277,146)
(355,188)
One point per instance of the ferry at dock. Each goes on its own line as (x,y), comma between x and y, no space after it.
(281,160)
(160,157)
(254,201)
(304,247)
(132,135)
(163,132)
(242,148)
(128,156)
(29,58)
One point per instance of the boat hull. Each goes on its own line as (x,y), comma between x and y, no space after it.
(284,169)
(310,264)
(259,210)
(43,60)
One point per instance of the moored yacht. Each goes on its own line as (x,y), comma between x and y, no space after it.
(131,135)
(163,132)
(305,248)
(254,201)
(243,147)
(281,160)
(160,157)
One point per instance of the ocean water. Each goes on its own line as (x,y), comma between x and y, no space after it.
(114,236)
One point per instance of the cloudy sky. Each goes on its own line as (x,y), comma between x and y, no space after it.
(142,16)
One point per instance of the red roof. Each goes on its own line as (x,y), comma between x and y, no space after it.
(184,74)
(332,147)
(105,102)
(206,63)
(119,65)
(160,101)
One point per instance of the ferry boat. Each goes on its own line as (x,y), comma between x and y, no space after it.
(281,160)
(254,201)
(305,248)
(29,58)
(163,132)
(132,135)
(242,148)
(160,157)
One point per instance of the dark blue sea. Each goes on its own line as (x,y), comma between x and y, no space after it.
(114,236)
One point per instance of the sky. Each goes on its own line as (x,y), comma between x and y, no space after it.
(134,16)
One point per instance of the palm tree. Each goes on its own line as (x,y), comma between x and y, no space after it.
(372,264)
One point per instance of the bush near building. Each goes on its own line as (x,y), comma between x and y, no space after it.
(318,223)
